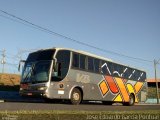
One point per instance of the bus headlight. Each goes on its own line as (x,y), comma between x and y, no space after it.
(21,89)
(42,88)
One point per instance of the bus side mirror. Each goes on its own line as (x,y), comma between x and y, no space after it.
(20,62)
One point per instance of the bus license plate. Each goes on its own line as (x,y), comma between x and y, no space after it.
(29,94)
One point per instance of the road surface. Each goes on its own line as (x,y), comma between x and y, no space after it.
(14,106)
(14,102)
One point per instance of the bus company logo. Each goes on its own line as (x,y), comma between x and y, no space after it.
(83,78)
(117,85)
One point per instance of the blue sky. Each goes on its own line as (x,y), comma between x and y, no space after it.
(129,27)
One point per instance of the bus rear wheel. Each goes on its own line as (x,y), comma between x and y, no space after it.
(76,96)
(131,101)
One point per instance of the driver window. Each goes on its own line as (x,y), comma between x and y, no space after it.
(61,68)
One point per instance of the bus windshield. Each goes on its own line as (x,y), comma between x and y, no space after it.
(36,72)
(37,66)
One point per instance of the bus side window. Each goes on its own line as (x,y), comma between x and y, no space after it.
(97,65)
(120,70)
(110,68)
(136,75)
(90,64)
(143,77)
(82,61)
(127,73)
(115,70)
(57,70)
(107,68)
(75,60)
(62,66)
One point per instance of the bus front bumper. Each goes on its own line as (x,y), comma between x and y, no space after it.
(33,93)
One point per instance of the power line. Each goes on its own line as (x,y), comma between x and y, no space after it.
(68,38)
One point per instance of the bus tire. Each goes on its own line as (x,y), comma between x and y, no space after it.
(76,96)
(131,100)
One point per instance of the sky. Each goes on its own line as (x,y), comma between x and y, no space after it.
(128,27)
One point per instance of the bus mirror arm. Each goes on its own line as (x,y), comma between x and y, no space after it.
(19,66)
(57,70)
(55,61)
(55,67)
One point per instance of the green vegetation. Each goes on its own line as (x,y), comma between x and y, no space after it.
(152,92)
(80,115)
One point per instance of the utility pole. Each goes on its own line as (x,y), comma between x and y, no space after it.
(155,68)
(3,61)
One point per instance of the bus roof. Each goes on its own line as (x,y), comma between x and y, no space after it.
(89,54)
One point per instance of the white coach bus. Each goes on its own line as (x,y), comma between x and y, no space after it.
(66,74)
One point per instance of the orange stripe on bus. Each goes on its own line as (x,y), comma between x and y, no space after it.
(123,89)
(138,86)
(112,85)
(103,87)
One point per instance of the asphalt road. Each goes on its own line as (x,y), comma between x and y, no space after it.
(14,102)
(14,106)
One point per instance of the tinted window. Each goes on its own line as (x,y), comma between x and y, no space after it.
(90,64)
(75,61)
(118,70)
(41,55)
(82,61)
(96,65)
(127,73)
(115,70)
(143,76)
(63,58)
(107,68)
(136,75)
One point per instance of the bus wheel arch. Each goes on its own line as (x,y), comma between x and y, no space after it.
(76,95)
(131,100)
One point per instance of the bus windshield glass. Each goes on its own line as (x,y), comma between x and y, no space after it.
(37,67)
(40,55)
(36,72)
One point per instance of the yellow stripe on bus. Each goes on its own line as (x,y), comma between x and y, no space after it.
(131,90)
(118,98)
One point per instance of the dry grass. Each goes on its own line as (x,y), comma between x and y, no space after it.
(9,79)
(9,82)
(80,115)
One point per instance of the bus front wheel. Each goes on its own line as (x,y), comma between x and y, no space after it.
(76,96)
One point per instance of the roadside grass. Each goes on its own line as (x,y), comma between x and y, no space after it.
(80,115)
(9,82)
